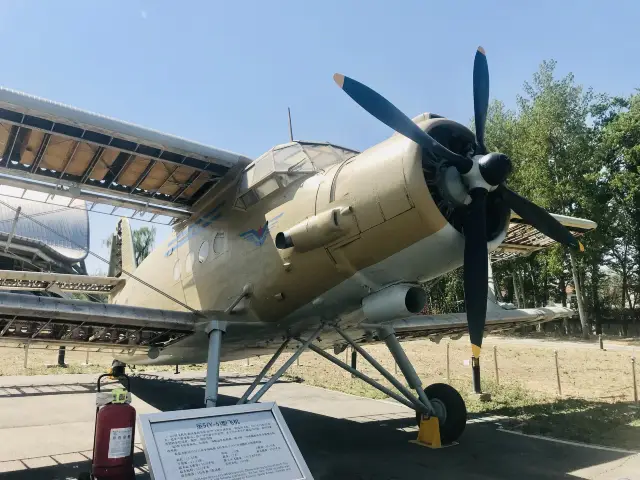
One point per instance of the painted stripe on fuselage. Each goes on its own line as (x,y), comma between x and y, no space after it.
(194,229)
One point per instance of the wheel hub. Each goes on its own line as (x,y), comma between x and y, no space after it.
(439,408)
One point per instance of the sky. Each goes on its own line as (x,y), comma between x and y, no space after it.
(223,73)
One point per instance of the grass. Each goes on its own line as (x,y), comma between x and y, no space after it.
(596,406)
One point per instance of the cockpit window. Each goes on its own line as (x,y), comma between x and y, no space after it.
(283,164)
(291,158)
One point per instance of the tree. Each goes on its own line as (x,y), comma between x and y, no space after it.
(143,241)
(620,156)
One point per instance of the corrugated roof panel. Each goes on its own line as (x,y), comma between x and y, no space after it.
(71,225)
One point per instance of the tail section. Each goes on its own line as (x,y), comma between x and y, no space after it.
(123,257)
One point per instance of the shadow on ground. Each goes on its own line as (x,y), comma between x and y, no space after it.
(379,450)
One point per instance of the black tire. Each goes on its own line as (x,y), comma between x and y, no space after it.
(117,368)
(452,411)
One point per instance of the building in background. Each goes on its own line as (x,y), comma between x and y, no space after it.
(58,242)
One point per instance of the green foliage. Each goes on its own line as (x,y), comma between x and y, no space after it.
(575,153)
(143,241)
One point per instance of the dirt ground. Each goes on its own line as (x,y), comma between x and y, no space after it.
(596,405)
(587,373)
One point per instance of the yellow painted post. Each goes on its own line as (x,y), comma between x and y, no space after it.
(555,354)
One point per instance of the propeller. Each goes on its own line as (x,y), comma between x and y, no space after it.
(481,173)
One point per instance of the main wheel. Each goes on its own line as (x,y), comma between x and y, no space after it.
(117,368)
(450,410)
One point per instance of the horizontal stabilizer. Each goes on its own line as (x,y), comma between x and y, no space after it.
(44,281)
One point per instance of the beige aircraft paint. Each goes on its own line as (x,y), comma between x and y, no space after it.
(380,201)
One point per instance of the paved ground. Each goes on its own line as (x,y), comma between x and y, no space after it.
(46,431)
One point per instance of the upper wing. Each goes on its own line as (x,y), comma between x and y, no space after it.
(455,324)
(62,151)
(523,239)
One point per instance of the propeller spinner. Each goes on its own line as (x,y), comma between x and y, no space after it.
(482,173)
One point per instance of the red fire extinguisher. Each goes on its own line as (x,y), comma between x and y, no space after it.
(114,434)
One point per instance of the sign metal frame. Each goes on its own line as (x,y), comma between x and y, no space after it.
(152,452)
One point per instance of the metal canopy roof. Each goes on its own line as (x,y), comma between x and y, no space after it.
(60,150)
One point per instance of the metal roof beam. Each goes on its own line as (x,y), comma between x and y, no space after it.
(94,160)
(143,175)
(193,178)
(41,151)
(8,150)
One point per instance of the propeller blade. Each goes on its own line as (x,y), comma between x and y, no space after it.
(540,219)
(476,268)
(480,96)
(390,115)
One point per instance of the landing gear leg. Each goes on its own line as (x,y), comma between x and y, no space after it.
(443,403)
(389,336)
(215,329)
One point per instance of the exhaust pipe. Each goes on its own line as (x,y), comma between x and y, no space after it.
(391,303)
(314,232)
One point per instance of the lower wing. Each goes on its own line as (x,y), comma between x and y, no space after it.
(499,317)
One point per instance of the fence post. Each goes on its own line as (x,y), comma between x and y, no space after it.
(635,385)
(354,360)
(448,372)
(555,354)
(86,361)
(495,361)
(600,341)
(26,354)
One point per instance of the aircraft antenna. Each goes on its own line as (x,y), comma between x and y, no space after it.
(290,128)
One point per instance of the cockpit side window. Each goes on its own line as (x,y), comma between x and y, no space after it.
(291,159)
(283,165)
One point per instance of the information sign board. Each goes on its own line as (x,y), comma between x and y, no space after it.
(222,443)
